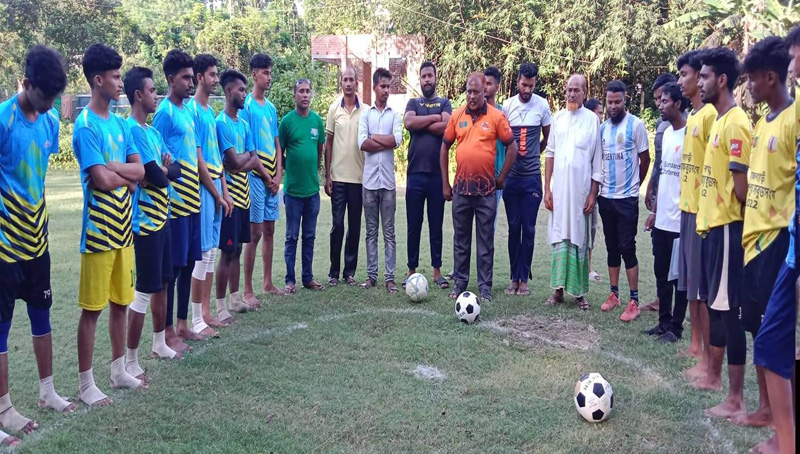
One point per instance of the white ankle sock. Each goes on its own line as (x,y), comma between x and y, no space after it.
(88,392)
(9,417)
(132,362)
(222,305)
(120,378)
(198,324)
(48,397)
(160,347)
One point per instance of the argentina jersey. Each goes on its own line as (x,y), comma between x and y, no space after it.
(151,205)
(622,144)
(176,126)
(236,135)
(263,121)
(24,151)
(206,134)
(106,214)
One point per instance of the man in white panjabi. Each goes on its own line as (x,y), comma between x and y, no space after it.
(573,172)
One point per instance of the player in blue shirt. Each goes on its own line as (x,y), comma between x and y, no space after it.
(152,238)
(176,124)
(110,169)
(262,117)
(28,135)
(214,198)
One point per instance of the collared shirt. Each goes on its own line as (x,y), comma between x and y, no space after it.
(347,162)
(476,147)
(379,165)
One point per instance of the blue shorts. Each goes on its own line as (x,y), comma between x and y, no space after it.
(185,240)
(263,205)
(775,343)
(210,217)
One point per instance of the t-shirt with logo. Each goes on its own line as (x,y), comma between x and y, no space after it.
(728,150)
(25,148)
(176,125)
(476,148)
(423,151)
(107,215)
(151,203)
(622,144)
(668,213)
(263,121)
(698,129)
(205,127)
(770,191)
(527,120)
(299,137)
(236,134)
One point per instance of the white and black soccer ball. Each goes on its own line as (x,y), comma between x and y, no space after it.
(417,287)
(594,397)
(468,309)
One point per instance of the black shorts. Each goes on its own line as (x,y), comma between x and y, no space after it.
(723,266)
(153,260)
(235,230)
(620,224)
(759,279)
(28,281)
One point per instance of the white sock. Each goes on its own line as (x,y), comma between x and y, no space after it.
(9,417)
(132,362)
(48,397)
(120,378)
(198,324)
(89,393)
(222,305)
(160,347)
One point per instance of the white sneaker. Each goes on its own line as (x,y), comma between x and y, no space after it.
(594,277)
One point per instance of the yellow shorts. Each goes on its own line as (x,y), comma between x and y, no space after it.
(106,276)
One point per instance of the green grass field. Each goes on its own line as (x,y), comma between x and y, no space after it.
(334,371)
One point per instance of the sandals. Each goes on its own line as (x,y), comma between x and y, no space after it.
(314,285)
(510,290)
(391,288)
(369,283)
(441,282)
(403,284)
(351,280)
(333,282)
(525,292)
(290,289)
(552,301)
(583,304)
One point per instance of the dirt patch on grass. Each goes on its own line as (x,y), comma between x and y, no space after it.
(537,331)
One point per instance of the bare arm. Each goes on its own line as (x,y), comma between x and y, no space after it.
(644,164)
(439,127)
(545,136)
(205,176)
(444,167)
(328,154)
(235,162)
(106,180)
(371,145)
(414,122)
(278,161)
(511,155)
(132,170)
(740,185)
(548,175)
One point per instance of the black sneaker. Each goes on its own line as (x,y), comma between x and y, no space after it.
(667,338)
(655,331)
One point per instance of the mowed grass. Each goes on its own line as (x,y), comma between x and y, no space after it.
(333,371)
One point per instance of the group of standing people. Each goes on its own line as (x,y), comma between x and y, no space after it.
(164,198)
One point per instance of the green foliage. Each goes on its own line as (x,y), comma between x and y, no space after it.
(65,158)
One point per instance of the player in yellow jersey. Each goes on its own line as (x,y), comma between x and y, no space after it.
(698,127)
(723,190)
(110,169)
(774,347)
(770,194)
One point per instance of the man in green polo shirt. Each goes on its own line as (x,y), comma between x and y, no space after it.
(302,134)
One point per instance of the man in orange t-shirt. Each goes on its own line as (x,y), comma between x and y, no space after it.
(477,129)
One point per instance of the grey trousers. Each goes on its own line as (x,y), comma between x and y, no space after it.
(379,206)
(483,209)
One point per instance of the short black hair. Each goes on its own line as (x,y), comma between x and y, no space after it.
(175,61)
(528,70)
(722,60)
(299,81)
(428,64)
(229,76)
(98,59)
(616,86)
(492,71)
(674,91)
(134,80)
(202,62)
(664,79)
(691,58)
(44,69)
(592,104)
(260,61)
(793,38)
(380,73)
(769,54)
